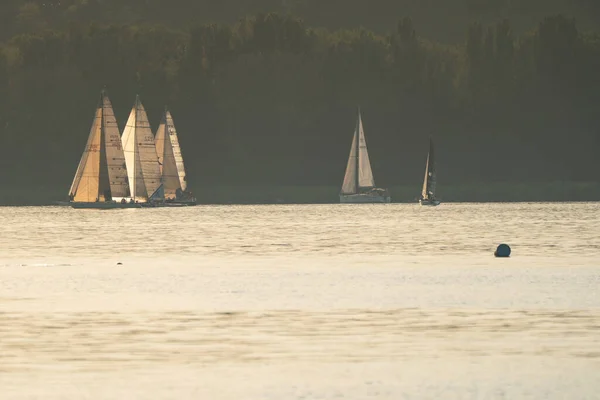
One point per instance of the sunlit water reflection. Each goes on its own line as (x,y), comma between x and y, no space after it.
(300,302)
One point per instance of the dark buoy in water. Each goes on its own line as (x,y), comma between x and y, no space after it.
(119,263)
(502,251)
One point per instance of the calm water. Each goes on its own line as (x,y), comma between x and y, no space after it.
(301,302)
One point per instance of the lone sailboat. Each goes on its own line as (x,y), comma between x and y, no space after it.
(143,170)
(359,184)
(429,183)
(171,163)
(101,177)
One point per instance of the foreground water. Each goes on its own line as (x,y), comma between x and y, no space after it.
(300,302)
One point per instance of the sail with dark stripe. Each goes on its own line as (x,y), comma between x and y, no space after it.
(429,182)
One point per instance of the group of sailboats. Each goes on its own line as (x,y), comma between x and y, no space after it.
(359,184)
(139,169)
(136,170)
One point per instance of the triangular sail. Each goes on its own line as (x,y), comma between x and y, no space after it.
(101,173)
(159,194)
(169,157)
(140,154)
(365,174)
(86,184)
(176,151)
(429,182)
(350,185)
(359,174)
(115,158)
(134,169)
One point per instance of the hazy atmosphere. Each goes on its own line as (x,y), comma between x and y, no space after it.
(264,93)
(195,199)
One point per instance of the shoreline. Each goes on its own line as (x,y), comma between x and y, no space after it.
(554,192)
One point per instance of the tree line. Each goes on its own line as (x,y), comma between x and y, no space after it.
(267,100)
(441,20)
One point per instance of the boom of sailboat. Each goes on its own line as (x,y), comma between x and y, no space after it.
(135,170)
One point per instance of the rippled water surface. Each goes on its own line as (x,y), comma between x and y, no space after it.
(301,302)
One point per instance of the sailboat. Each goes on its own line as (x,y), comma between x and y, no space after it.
(429,183)
(359,184)
(143,171)
(170,163)
(101,177)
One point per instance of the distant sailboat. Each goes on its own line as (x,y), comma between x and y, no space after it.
(359,184)
(429,183)
(101,177)
(143,170)
(171,162)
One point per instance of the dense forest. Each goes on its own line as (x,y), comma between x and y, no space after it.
(264,93)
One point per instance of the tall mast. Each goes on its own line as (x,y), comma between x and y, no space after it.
(102,144)
(357,144)
(137,99)
(431,167)
(165,133)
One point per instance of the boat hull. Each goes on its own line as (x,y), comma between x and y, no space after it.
(180,203)
(169,204)
(101,205)
(364,198)
(432,203)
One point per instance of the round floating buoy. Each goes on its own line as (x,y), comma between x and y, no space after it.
(503,250)
(119,263)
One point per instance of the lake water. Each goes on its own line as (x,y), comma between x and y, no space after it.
(301,302)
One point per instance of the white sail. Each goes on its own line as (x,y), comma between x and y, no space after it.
(140,154)
(424,194)
(134,169)
(358,170)
(365,174)
(86,184)
(429,182)
(350,178)
(166,161)
(101,173)
(176,151)
(115,158)
(169,157)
